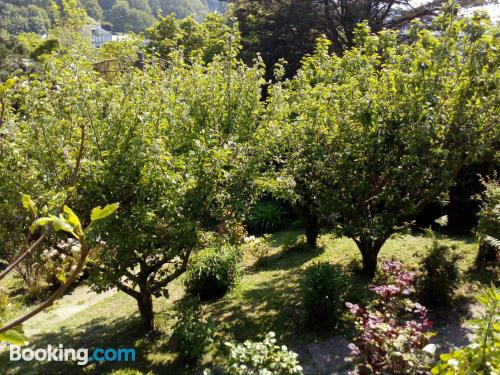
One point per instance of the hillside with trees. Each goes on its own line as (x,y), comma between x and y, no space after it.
(18,16)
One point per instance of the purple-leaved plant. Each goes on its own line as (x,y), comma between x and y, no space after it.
(392,330)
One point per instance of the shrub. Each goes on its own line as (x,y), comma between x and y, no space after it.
(266,217)
(488,226)
(213,272)
(263,357)
(482,356)
(391,335)
(323,288)
(231,231)
(192,333)
(439,274)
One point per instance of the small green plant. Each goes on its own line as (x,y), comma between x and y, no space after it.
(323,289)
(192,333)
(263,357)
(439,274)
(213,272)
(488,226)
(266,217)
(482,357)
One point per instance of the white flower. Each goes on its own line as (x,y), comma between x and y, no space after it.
(430,349)
(249,239)
(453,363)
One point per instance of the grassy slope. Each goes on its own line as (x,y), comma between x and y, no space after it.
(266,299)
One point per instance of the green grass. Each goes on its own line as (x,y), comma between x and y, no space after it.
(267,298)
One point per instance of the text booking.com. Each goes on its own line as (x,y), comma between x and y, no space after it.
(80,356)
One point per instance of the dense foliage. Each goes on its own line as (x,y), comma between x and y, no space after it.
(206,39)
(368,139)
(266,216)
(323,289)
(37,16)
(213,272)
(190,137)
(288,29)
(169,144)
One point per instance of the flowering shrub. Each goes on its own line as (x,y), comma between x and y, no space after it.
(392,333)
(261,358)
(483,355)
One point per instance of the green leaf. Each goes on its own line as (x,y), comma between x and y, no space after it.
(72,218)
(7,85)
(29,204)
(99,213)
(14,336)
(40,223)
(60,223)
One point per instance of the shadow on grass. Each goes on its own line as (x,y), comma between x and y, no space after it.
(288,259)
(486,273)
(269,305)
(152,354)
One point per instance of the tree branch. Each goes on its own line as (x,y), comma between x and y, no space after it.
(50,301)
(28,252)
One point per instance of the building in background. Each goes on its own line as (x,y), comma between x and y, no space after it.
(99,36)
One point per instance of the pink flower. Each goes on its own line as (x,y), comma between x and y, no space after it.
(353,308)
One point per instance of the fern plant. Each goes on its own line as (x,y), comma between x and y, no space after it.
(488,227)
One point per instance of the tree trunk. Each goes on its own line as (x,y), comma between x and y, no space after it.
(312,228)
(369,251)
(145,303)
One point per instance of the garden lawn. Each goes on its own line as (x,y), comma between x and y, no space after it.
(266,298)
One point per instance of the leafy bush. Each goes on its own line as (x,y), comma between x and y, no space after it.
(264,358)
(391,330)
(231,231)
(488,226)
(213,272)
(323,289)
(482,356)
(439,274)
(192,334)
(266,217)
